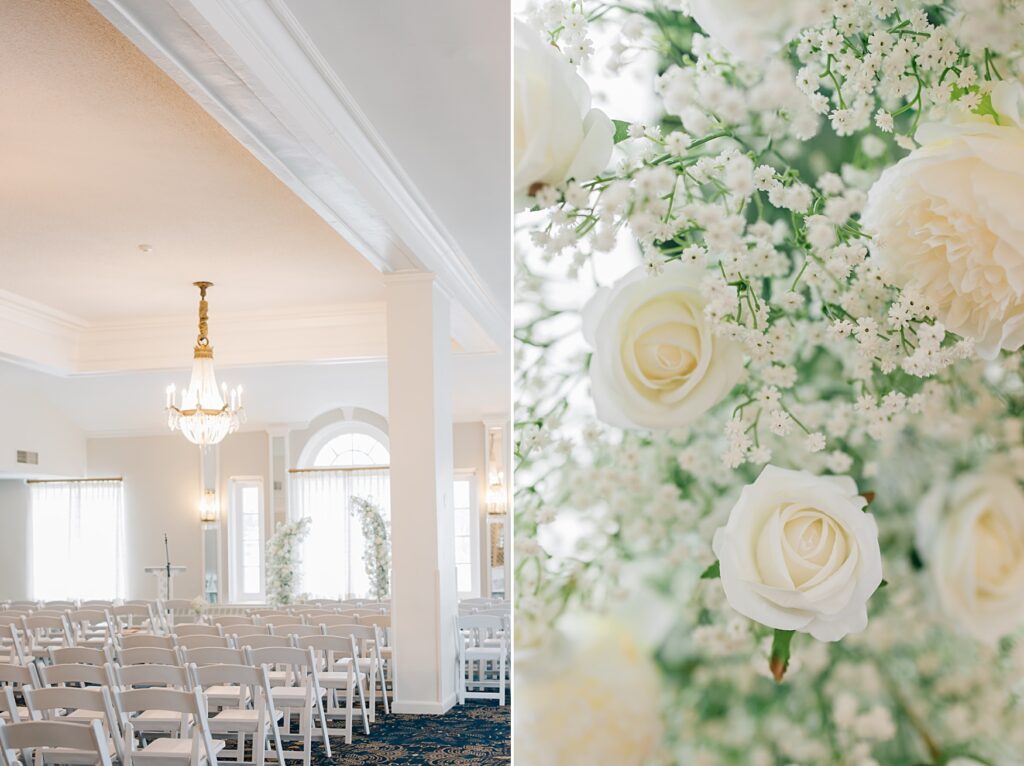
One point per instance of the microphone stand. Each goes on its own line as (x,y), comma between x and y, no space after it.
(167,555)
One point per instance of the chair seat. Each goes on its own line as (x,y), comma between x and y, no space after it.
(484,653)
(173,750)
(84,716)
(160,721)
(22,715)
(79,757)
(232,719)
(335,679)
(290,696)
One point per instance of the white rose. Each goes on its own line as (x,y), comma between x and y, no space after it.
(753,30)
(590,696)
(971,535)
(557,135)
(799,553)
(947,222)
(656,363)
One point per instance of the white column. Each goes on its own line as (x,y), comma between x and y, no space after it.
(424,602)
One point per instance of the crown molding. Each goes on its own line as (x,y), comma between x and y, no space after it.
(253,68)
(38,336)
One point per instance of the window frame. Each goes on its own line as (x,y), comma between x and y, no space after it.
(236,578)
(471,478)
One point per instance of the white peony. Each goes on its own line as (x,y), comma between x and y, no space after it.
(590,696)
(557,135)
(753,30)
(947,222)
(971,535)
(799,553)
(656,363)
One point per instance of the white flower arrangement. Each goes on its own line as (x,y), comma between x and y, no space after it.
(283,560)
(768,356)
(377,553)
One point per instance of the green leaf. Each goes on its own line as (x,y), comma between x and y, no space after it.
(621,130)
(986,108)
(780,653)
(713,572)
(882,584)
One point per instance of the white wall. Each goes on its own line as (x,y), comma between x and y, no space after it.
(161,494)
(14,506)
(469,440)
(28,421)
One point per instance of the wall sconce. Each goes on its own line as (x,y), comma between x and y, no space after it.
(208,508)
(497,494)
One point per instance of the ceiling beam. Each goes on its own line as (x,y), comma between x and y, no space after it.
(254,69)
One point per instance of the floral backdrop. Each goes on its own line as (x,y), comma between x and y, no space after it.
(770,442)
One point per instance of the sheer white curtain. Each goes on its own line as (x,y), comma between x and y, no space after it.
(331,558)
(77,540)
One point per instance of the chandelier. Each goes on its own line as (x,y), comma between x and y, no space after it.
(204,413)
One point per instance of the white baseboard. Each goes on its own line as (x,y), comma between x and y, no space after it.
(413,707)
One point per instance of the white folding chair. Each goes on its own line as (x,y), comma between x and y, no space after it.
(301,695)
(368,642)
(81,706)
(55,742)
(193,744)
(481,642)
(16,678)
(43,631)
(129,677)
(339,674)
(260,721)
(217,696)
(242,631)
(90,627)
(196,629)
(382,624)
(135,617)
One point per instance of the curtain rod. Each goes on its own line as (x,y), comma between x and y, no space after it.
(72,481)
(341,468)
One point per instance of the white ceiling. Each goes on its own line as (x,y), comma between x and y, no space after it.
(103,152)
(433,79)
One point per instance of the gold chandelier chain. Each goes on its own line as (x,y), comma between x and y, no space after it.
(203,348)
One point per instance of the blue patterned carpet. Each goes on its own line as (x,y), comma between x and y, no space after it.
(474,734)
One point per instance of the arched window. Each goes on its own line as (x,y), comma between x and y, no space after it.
(352,449)
(346,460)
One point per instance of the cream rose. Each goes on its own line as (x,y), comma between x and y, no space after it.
(656,363)
(589,696)
(799,553)
(753,30)
(557,135)
(947,222)
(970,533)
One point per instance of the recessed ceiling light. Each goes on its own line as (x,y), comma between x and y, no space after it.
(145,248)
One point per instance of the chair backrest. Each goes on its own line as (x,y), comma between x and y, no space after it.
(82,655)
(329,649)
(255,679)
(19,676)
(336,619)
(202,641)
(89,616)
(133,615)
(147,640)
(12,618)
(189,704)
(239,631)
(40,623)
(296,630)
(197,629)
(29,605)
(87,623)
(495,612)
(481,626)
(60,605)
(168,676)
(142,655)
(54,702)
(97,603)
(73,673)
(382,621)
(300,661)
(35,735)
(211,655)
(263,614)
(231,620)
(262,642)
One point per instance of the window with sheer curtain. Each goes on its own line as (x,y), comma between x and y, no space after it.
(77,540)
(332,563)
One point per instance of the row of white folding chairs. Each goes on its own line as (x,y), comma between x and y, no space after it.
(326,666)
(483,656)
(240,693)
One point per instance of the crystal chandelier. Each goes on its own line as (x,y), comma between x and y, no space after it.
(204,413)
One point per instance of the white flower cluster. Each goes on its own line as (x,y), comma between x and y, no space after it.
(282,560)
(377,543)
